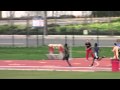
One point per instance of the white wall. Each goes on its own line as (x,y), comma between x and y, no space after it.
(23,13)
(17,13)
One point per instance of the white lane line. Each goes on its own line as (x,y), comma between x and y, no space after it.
(42,62)
(97,64)
(46,66)
(8,61)
(55,67)
(77,63)
(15,64)
(48,70)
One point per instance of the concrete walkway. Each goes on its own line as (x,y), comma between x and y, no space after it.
(61,36)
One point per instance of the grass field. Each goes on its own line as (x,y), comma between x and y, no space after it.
(32,53)
(22,53)
(13,74)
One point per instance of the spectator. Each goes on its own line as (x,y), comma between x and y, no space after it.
(118,44)
(115,51)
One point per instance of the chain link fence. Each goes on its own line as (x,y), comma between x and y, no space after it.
(74,31)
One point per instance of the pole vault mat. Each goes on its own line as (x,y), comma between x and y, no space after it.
(78,64)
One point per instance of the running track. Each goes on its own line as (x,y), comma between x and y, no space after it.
(78,64)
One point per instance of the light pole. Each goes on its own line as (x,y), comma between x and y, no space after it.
(44,27)
(45,22)
(11,24)
(65,36)
(73,37)
(97,33)
(27,25)
(97,36)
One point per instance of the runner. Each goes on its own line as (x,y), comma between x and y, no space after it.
(96,54)
(66,54)
(88,50)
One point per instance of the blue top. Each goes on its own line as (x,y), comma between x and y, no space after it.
(96,49)
(118,44)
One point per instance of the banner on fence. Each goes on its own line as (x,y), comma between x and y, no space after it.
(38,22)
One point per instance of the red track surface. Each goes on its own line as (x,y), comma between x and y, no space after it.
(78,64)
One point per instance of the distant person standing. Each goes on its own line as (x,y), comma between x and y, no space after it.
(88,48)
(118,44)
(115,51)
(66,54)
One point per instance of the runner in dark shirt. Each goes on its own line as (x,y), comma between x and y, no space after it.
(96,54)
(66,54)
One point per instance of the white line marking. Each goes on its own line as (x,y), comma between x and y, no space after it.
(56,67)
(14,64)
(8,61)
(109,65)
(46,66)
(77,63)
(49,70)
(97,64)
(42,62)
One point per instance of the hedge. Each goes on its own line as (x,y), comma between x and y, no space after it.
(104,29)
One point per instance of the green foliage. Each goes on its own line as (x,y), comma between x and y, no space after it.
(54,29)
(105,13)
(116,20)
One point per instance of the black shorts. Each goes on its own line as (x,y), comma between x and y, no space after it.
(66,57)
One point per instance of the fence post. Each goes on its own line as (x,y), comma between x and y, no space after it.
(37,38)
(73,38)
(27,26)
(65,38)
(43,39)
(98,36)
(13,41)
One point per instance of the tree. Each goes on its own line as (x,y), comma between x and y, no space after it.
(106,13)
(11,15)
